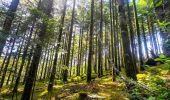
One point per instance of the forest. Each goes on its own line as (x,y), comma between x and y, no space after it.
(85,50)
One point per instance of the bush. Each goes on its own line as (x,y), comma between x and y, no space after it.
(154,83)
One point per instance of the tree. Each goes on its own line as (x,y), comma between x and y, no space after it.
(131,70)
(132,35)
(65,71)
(46,8)
(111,30)
(23,59)
(163,15)
(139,36)
(52,77)
(100,40)
(89,68)
(144,36)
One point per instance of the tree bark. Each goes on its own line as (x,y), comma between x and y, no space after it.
(129,65)
(89,68)
(46,9)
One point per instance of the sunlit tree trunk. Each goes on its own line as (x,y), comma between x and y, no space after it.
(145,39)
(139,37)
(153,36)
(150,34)
(163,14)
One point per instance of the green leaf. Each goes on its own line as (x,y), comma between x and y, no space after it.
(151,98)
(162,56)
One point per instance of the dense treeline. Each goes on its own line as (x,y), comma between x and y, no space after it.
(59,39)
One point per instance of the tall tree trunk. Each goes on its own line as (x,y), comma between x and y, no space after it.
(163,14)
(17,60)
(100,40)
(153,37)
(28,65)
(112,47)
(46,9)
(95,49)
(145,39)
(87,38)
(23,60)
(139,37)
(65,72)
(72,56)
(79,54)
(16,57)
(89,68)
(46,64)
(150,34)
(43,65)
(52,77)
(106,46)
(115,32)
(129,65)
(132,35)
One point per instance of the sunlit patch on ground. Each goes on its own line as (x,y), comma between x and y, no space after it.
(43,93)
(58,86)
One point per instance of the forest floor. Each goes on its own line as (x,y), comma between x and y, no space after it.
(157,78)
(103,87)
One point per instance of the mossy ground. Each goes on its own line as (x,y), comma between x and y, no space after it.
(103,86)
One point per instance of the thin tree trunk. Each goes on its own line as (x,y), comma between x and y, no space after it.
(72,56)
(46,64)
(52,77)
(100,40)
(8,59)
(145,40)
(139,37)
